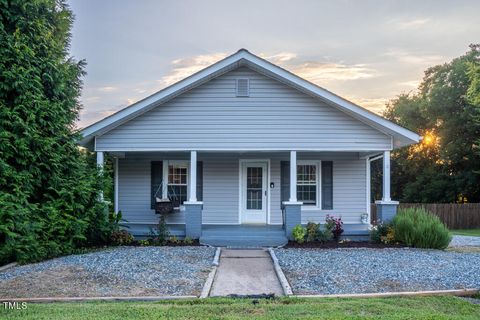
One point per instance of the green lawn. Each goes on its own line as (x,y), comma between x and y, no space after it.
(286,308)
(466,232)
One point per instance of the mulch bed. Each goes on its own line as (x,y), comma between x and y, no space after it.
(337,245)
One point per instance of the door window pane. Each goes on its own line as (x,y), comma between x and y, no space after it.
(254,188)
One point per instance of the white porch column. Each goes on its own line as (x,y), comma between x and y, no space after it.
(100,160)
(100,163)
(193,176)
(115,186)
(293,176)
(386,176)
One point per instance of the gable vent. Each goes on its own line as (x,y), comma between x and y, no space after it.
(243,88)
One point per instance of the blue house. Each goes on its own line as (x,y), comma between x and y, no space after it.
(242,151)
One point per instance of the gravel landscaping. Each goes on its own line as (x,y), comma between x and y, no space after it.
(366,270)
(122,271)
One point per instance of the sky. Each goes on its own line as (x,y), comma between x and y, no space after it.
(366,51)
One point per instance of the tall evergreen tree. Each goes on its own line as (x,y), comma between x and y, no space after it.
(48,186)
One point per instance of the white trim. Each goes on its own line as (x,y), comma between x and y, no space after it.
(368,187)
(240,189)
(386,176)
(193,202)
(229,63)
(293,176)
(375,158)
(115,186)
(350,149)
(386,202)
(100,160)
(318,165)
(100,164)
(292,203)
(221,224)
(193,177)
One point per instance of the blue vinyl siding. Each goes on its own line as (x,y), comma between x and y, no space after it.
(274,116)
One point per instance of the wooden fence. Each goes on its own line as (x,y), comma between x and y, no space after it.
(455,216)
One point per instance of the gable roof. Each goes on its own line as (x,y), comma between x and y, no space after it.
(401,136)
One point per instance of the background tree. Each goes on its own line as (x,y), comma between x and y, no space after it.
(48,186)
(445,166)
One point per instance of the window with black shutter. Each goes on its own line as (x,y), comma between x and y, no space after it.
(327,185)
(156,181)
(284,182)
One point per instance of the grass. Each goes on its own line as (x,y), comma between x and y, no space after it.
(466,232)
(438,307)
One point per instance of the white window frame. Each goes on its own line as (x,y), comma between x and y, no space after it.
(318,164)
(166,163)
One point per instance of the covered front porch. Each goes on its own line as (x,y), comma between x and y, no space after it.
(248,198)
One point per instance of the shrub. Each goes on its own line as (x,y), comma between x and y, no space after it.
(121,238)
(161,234)
(187,240)
(335,225)
(298,233)
(324,235)
(144,242)
(315,232)
(419,228)
(379,232)
(312,230)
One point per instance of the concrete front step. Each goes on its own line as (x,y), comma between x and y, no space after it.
(243,241)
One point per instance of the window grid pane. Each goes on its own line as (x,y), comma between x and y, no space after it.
(307,184)
(177,183)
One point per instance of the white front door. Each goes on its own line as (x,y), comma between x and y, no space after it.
(254,192)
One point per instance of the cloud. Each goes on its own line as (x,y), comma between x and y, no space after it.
(279,58)
(92,99)
(88,117)
(411,83)
(414,58)
(413,24)
(107,89)
(185,67)
(376,105)
(326,72)
(318,72)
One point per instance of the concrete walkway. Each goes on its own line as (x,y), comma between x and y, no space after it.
(245,272)
(465,241)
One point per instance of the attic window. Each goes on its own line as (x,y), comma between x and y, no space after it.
(243,87)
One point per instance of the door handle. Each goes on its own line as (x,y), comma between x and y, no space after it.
(265,193)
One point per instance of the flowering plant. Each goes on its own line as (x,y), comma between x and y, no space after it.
(335,225)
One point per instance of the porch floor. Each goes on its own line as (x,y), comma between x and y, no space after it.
(243,236)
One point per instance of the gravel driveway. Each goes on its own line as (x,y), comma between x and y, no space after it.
(337,271)
(122,271)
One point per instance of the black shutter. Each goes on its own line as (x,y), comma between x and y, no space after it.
(156,181)
(327,185)
(284,182)
(199,180)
